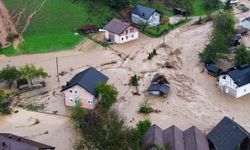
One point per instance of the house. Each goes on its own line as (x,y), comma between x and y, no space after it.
(213,70)
(159,86)
(236,82)
(228,135)
(80,90)
(13,142)
(245,23)
(173,138)
(89,29)
(142,14)
(117,31)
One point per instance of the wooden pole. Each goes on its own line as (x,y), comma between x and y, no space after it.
(57,70)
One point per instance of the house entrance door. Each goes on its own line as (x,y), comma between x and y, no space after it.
(111,37)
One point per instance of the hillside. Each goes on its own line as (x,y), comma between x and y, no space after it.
(6,25)
(49,25)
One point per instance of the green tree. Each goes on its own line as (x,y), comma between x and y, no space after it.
(9,74)
(141,129)
(242,56)
(224,23)
(187,5)
(30,72)
(106,131)
(228,6)
(4,106)
(77,114)
(108,95)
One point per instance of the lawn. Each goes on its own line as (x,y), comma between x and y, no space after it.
(52,28)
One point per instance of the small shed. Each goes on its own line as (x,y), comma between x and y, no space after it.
(159,86)
(89,29)
(245,23)
(180,11)
(213,70)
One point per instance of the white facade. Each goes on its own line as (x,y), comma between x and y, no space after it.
(129,34)
(245,24)
(153,20)
(227,85)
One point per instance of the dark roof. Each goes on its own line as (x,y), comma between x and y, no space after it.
(248,19)
(213,69)
(26,141)
(241,31)
(164,88)
(153,138)
(143,11)
(195,139)
(241,75)
(173,138)
(227,135)
(87,79)
(89,27)
(116,26)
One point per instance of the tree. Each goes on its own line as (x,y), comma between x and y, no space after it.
(141,129)
(4,106)
(108,95)
(242,56)
(187,5)
(9,74)
(228,6)
(77,114)
(106,131)
(224,23)
(209,6)
(30,72)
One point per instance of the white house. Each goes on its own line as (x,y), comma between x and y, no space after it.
(120,32)
(245,23)
(236,82)
(141,14)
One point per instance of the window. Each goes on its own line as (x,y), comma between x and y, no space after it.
(132,30)
(132,36)
(126,37)
(70,91)
(245,90)
(126,31)
(122,39)
(71,99)
(76,91)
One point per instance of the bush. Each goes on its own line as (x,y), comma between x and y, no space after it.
(144,108)
(152,54)
(108,95)
(34,107)
(4,106)
(77,114)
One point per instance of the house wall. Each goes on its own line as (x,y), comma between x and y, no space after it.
(126,36)
(154,19)
(86,99)
(227,85)
(245,24)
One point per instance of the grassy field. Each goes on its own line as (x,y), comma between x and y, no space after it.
(52,28)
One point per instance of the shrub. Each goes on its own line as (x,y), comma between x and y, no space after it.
(134,80)
(152,54)
(108,95)
(4,106)
(145,109)
(77,114)
(9,74)
(34,107)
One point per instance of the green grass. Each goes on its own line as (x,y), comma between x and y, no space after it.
(52,28)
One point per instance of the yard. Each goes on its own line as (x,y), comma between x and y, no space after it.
(52,28)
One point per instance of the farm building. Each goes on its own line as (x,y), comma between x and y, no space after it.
(245,23)
(174,139)
(159,86)
(141,14)
(12,142)
(236,82)
(228,135)
(117,31)
(80,90)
